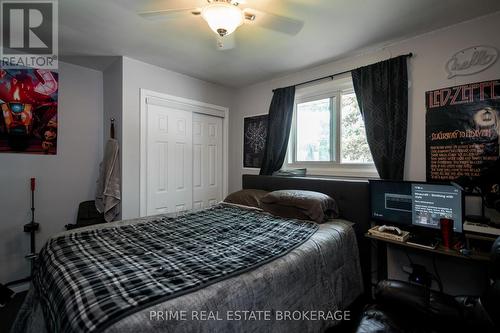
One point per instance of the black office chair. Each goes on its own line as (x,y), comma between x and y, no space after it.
(403,307)
(87,216)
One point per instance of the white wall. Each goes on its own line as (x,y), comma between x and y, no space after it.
(426,72)
(63,180)
(137,75)
(113,103)
(113,98)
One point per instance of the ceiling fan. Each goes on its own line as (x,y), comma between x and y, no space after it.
(225,16)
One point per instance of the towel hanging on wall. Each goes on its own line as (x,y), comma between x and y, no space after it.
(108,190)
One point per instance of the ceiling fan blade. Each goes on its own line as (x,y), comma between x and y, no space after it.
(226,42)
(274,22)
(169,14)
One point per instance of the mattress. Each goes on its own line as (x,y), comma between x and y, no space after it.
(304,290)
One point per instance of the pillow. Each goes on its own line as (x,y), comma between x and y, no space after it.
(249,197)
(316,206)
(284,211)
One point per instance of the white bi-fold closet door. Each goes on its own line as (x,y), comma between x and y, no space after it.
(184,159)
(207,160)
(170,160)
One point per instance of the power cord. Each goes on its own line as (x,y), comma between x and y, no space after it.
(408,256)
(437,277)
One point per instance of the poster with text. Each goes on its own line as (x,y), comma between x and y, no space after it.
(254,140)
(28,122)
(462,130)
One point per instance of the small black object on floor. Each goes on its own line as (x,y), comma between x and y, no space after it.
(9,312)
(87,216)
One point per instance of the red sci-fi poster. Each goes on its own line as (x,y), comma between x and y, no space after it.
(28,122)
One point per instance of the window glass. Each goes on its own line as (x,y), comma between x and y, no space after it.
(353,145)
(313,131)
(328,135)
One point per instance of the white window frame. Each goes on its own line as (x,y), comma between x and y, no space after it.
(333,90)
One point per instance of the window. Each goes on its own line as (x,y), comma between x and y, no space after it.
(353,145)
(313,136)
(328,133)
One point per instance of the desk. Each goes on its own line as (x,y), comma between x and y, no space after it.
(440,250)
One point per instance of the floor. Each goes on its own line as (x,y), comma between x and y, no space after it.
(8,313)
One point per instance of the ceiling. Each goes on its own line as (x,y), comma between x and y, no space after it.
(332,29)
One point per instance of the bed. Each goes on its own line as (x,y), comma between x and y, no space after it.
(352,196)
(316,278)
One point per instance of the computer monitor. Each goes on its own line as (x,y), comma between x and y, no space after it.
(391,202)
(416,203)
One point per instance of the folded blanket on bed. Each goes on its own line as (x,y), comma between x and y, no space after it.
(88,280)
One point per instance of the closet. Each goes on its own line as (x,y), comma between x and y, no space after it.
(184,150)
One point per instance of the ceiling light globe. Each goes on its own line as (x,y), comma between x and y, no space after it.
(222,18)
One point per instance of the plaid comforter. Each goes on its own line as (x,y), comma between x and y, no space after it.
(89,280)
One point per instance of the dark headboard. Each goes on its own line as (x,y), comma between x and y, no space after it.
(352,196)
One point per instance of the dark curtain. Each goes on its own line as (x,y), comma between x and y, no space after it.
(278,130)
(382,94)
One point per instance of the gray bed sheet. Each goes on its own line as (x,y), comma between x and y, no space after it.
(310,284)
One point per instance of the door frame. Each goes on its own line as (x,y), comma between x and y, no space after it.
(185,104)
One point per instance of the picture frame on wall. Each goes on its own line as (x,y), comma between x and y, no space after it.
(29,107)
(254,140)
(463,132)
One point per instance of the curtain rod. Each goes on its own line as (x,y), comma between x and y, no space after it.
(331,76)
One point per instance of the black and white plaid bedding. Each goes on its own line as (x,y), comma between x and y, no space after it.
(89,280)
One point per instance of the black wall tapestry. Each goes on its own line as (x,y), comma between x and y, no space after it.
(254,140)
(462,131)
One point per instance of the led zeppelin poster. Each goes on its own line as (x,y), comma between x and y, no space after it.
(462,131)
(28,122)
